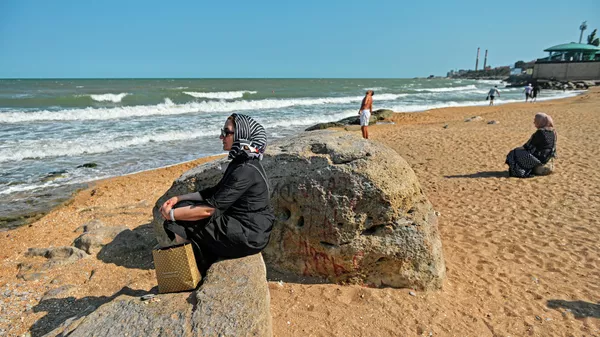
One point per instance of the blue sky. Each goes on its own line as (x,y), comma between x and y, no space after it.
(372,39)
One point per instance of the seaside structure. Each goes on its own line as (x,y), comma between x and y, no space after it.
(477,59)
(569,62)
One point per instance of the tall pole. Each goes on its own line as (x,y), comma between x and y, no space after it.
(477,59)
(582,28)
(485,60)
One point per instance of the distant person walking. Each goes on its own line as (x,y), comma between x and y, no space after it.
(528,90)
(366,108)
(493,92)
(534,92)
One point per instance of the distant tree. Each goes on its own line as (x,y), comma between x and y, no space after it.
(593,40)
(520,64)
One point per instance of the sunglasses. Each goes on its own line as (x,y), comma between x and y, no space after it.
(225,132)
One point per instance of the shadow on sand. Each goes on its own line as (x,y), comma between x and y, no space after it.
(580,309)
(483,174)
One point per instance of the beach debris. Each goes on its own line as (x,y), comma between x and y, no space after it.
(280,283)
(147,297)
(446,126)
(87,165)
(538,318)
(412,293)
(474,119)
(493,122)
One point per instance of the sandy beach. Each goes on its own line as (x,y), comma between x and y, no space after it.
(522,255)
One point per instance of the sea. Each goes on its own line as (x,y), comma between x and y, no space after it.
(58,135)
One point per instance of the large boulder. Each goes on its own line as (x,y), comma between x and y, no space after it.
(233,300)
(348,210)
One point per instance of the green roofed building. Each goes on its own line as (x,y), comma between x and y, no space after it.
(572,52)
(569,62)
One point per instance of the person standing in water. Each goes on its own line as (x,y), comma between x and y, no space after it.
(493,92)
(366,108)
(528,90)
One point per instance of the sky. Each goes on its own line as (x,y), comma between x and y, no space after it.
(275,38)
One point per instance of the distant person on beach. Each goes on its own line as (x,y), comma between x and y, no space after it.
(536,156)
(233,218)
(365,111)
(493,92)
(534,92)
(527,91)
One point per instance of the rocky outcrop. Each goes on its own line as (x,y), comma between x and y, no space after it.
(233,300)
(377,115)
(348,210)
(92,241)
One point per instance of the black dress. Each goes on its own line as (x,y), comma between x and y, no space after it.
(243,218)
(537,151)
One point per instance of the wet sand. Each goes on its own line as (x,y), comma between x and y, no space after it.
(522,255)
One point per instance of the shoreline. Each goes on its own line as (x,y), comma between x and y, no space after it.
(12,221)
(515,249)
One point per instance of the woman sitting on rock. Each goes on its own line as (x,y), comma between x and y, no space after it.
(535,157)
(234,218)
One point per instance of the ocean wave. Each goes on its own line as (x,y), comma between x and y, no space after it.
(170,108)
(56,148)
(375,88)
(115,98)
(219,95)
(448,89)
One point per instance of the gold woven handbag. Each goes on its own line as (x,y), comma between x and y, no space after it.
(176,268)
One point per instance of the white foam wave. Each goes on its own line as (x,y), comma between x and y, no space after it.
(170,108)
(44,149)
(375,88)
(493,82)
(115,98)
(448,89)
(219,95)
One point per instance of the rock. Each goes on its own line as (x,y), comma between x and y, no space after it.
(383,114)
(349,210)
(57,255)
(232,301)
(353,128)
(446,126)
(352,120)
(54,175)
(93,240)
(493,122)
(474,119)
(412,293)
(87,165)
(322,126)
(89,226)
(54,293)
(589,83)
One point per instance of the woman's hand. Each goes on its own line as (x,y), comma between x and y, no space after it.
(166,207)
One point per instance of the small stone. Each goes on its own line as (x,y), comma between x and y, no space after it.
(538,318)
(548,319)
(446,126)
(412,293)
(7,293)
(288,322)
(493,122)
(280,283)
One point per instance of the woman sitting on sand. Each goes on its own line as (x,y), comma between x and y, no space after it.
(234,218)
(527,160)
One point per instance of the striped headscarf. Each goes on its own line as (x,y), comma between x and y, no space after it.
(250,138)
